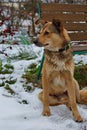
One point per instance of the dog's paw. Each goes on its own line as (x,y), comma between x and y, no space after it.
(46,112)
(78,118)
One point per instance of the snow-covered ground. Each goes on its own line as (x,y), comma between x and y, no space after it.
(16,116)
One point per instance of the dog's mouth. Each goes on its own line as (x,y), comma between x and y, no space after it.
(37,43)
(47,44)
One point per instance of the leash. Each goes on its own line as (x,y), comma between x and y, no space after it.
(40,68)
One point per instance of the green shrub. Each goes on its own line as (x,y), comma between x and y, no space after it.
(2,83)
(11,80)
(31,74)
(6,69)
(23,102)
(24,53)
(81,75)
(0,66)
(9,66)
(8,88)
(28,87)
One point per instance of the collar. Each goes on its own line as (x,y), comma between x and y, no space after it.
(62,49)
(65,48)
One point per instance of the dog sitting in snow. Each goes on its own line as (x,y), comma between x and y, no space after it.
(58,82)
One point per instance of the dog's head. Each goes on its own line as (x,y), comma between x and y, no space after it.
(53,36)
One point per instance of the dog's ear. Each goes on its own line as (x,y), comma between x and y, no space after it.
(43,22)
(58,25)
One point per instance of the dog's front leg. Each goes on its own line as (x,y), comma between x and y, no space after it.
(45,85)
(72,96)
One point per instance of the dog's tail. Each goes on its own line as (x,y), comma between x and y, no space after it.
(83,97)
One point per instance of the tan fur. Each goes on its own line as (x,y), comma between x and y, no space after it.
(58,82)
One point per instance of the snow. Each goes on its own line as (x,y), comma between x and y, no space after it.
(3,27)
(16,116)
(80,58)
(26,23)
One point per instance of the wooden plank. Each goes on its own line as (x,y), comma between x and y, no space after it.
(76,26)
(78,36)
(64,17)
(79,48)
(63,7)
(86,18)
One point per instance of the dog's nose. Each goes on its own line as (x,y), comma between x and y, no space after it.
(35,41)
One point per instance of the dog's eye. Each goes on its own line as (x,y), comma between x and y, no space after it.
(46,33)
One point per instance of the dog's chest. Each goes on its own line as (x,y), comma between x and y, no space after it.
(60,65)
(57,65)
(56,76)
(58,85)
(58,81)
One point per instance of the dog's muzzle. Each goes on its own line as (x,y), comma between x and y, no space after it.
(37,43)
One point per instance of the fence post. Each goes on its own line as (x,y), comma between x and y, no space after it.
(42,60)
(39,11)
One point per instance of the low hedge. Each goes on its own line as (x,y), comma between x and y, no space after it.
(80,75)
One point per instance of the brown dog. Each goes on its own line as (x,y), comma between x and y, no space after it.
(58,82)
